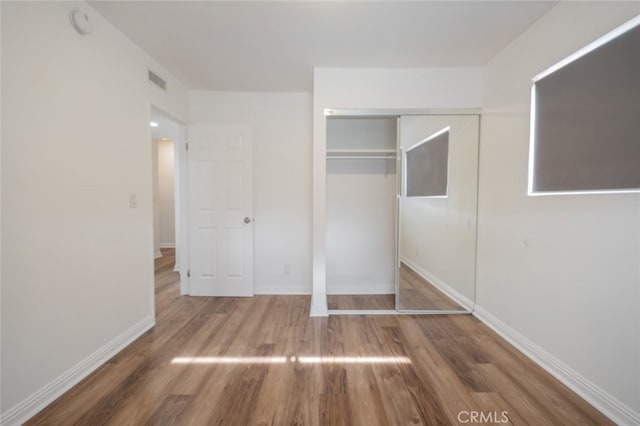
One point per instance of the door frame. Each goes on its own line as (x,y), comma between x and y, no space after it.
(182,209)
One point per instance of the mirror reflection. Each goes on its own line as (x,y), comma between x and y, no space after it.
(437,212)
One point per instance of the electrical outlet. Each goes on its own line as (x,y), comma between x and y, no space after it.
(133,201)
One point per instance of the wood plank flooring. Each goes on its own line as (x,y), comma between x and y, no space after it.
(416,293)
(362,302)
(358,370)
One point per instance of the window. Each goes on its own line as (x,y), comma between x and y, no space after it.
(427,166)
(585,119)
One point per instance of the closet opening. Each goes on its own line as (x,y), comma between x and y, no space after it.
(361,213)
(401,201)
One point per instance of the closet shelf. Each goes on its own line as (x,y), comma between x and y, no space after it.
(361,154)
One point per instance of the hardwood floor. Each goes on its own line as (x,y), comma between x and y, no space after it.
(362,302)
(428,370)
(416,293)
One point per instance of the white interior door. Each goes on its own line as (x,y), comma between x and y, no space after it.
(220,211)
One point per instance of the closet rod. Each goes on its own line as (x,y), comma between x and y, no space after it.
(359,157)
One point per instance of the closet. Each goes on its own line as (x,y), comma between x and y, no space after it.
(399,218)
(361,213)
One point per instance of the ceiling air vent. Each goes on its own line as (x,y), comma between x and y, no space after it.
(155,79)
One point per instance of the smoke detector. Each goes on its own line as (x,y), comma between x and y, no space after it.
(80,22)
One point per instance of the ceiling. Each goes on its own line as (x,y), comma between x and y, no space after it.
(273,46)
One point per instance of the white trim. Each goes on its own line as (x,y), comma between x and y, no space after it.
(429,196)
(341,290)
(610,406)
(532,139)
(285,291)
(362,312)
(318,306)
(168,245)
(452,293)
(157,255)
(627,26)
(30,406)
(403,179)
(581,192)
(360,157)
(397,112)
(182,211)
(347,152)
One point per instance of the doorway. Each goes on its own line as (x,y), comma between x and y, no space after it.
(167,135)
(164,233)
(203,192)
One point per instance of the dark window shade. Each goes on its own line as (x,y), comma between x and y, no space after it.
(427,167)
(587,121)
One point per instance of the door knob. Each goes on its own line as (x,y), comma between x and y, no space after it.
(247,219)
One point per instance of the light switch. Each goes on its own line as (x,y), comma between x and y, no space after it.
(133,201)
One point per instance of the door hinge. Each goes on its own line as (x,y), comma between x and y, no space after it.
(188,273)
(186,146)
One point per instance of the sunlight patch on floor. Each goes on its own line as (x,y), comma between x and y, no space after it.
(354,360)
(292,359)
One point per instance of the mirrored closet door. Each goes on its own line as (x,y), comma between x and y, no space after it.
(437,195)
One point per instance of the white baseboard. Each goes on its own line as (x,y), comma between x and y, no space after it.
(29,407)
(319,306)
(284,291)
(157,255)
(451,292)
(167,245)
(593,394)
(343,290)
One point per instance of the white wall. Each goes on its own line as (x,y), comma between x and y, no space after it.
(166,193)
(77,267)
(562,271)
(363,88)
(164,223)
(281,129)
